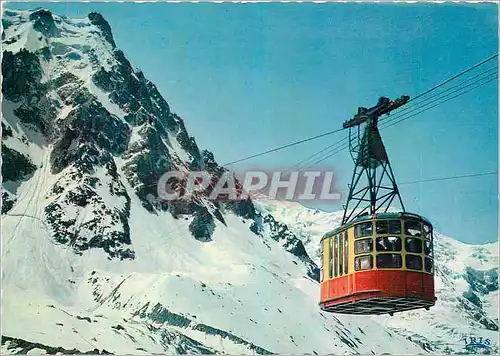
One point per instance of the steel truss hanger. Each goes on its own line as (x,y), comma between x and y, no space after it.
(376,193)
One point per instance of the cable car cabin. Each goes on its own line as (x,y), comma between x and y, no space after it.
(378,264)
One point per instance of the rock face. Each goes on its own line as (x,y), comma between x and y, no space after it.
(98,263)
(94,110)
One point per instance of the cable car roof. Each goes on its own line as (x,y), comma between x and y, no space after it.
(396,215)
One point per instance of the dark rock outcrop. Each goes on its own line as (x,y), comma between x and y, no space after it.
(98,20)
(24,346)
(15,166)
(43,22)
(22,76)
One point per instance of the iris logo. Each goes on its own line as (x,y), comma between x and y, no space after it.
(477,344)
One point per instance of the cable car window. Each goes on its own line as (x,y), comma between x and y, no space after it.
(413,244)
(382,226)
(428,247)
(389,260)
(346,254)
(321,271)
(427,232)
(413,228)
(363,262)
(395,227)
(330,258)
(341,254)
(389,243)
(413,262)
(363,246)
(388,227)
(363,229)
(429,266)
(335,255)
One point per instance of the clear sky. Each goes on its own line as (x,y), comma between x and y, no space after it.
(250,77)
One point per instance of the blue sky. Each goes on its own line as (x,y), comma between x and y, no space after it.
(250,77)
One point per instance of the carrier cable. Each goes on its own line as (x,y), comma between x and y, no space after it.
(338,130)
(400,118)
(455,76)
(284,146)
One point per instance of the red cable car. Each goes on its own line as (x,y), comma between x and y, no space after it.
(376,262)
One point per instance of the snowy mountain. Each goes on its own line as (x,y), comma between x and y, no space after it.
(93,262)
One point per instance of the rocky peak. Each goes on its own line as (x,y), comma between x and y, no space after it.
(98,20)
(43,22)
(109,128)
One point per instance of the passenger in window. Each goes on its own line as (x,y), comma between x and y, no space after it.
(367,229)
(389,243)
(382,227)
(394,227)
(363,262)
(363,229)
(413,228)
(366,263)
(413,262)
(388,227)
(363,246)
(413,244)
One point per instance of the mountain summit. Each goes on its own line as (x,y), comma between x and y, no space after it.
(94,262)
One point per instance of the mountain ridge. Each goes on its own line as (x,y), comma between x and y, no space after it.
(96,261)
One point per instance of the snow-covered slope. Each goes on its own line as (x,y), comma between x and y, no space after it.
(92,261)
(466,283)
